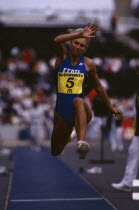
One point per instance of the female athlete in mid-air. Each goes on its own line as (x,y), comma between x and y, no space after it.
(71,110)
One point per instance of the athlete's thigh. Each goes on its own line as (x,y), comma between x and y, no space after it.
(61,131)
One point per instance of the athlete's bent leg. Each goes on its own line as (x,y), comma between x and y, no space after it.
(83,115)
(60,135)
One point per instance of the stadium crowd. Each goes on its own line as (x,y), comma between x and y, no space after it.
(24,76)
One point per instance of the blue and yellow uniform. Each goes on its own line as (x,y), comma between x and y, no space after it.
(70,81)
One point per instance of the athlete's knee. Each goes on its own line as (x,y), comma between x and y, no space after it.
(77,102)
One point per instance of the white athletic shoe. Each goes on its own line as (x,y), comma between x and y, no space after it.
(82,148)
(121,187)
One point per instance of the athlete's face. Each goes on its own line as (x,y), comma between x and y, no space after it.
(78,46)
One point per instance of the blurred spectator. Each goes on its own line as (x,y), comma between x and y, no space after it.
(113,64)
(132,165)
(115,135)
(37,125)
(114,21)
(52,62)
(134,62)
(23,74)
(98,61)
(41,67)
(15,52)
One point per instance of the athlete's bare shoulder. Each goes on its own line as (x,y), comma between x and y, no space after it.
(89,64)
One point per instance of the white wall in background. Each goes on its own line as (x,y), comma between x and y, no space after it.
(57,4)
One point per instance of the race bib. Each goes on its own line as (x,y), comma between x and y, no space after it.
(70,83)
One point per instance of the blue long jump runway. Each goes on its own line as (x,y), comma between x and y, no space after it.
(43,182)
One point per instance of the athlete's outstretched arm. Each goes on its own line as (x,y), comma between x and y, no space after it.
(101,91)
(88,32)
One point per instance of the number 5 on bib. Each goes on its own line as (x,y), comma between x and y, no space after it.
(70,83)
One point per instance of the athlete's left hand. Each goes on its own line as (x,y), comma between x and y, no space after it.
(117,114)
(89,31)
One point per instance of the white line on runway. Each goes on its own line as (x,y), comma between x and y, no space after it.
(56,199)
